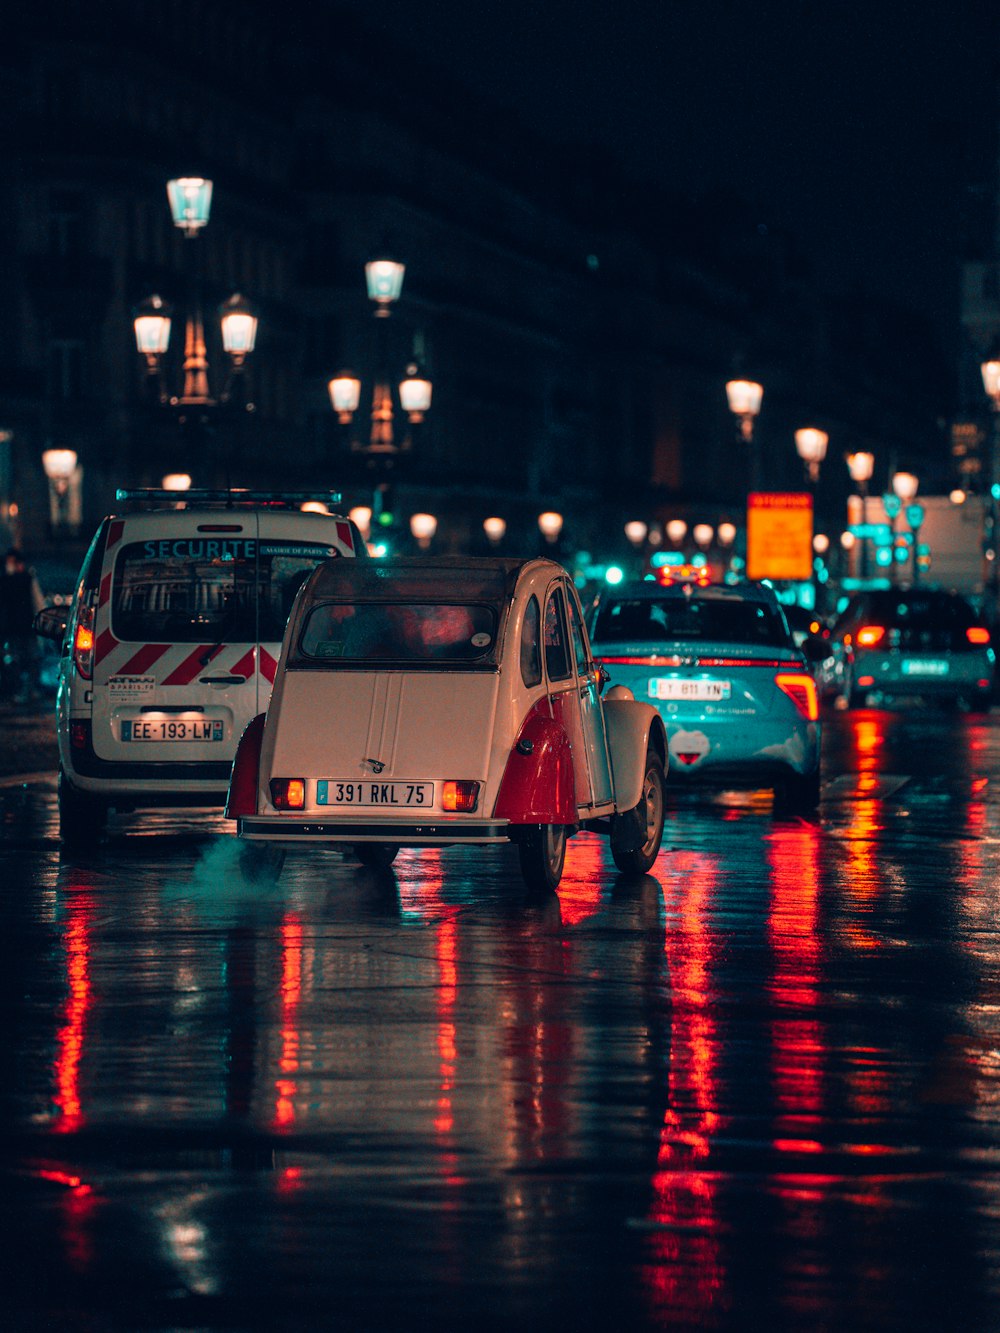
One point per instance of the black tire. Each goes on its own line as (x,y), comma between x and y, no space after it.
(261,862)
(82,818)
(376,855)
(639,860)
(542,853)
(797,794)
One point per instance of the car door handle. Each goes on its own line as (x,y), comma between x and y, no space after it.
(222,680)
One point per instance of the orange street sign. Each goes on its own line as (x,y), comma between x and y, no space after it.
(779,535)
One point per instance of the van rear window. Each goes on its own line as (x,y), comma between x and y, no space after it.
(192,590)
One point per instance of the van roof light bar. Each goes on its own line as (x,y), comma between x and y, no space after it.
(229,498)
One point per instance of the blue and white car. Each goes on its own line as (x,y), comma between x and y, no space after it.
(720,664)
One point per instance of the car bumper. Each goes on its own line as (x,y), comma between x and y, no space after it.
(406,833)
(908,674)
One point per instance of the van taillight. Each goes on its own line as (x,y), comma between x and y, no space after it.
(288,793)
(83,642)
(801,689)
(460,796)
(79,734)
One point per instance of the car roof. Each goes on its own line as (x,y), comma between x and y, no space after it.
(445,578)
(650,590)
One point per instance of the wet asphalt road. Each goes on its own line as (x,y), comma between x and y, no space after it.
(758,1090)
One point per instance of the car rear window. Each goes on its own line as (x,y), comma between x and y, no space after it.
(688,618)
(921,611)
(405,634)
(190,590)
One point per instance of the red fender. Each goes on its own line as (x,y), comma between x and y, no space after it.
(538,785)
(242,798)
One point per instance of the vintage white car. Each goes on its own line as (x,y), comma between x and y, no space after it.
(435,701)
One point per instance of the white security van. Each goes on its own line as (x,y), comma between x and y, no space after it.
(171,642)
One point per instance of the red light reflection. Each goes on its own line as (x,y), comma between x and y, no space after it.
(70,1037)
(291,998)
(686,1275)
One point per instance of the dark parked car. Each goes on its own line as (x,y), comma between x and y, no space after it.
(916,642)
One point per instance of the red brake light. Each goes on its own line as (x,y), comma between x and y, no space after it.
(83,642)
(288,793)
(460,796)
(801,689)
(977,634)
(870,635)
(699,575)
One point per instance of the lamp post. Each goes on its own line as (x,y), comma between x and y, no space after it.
(60,467)
(384,284)
(190,199)
(990,371)
(550,525)
(904,490)
(860,465)
(744,398)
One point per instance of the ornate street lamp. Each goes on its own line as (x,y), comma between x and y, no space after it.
(550,525)
(60,467)
(190,200)
(703,534)
(676,531)
(384,282)
(495,529)
(423,527)
(636,531)
(811,443)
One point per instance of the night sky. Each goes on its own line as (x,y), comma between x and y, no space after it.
(856,127)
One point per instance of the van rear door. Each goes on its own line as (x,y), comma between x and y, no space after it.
(180,667)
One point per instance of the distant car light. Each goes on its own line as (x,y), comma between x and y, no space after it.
(288,793)
(460,796)
(870,636)
(977,634)
(613,574)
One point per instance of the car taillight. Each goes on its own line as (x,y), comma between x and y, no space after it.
(79,734)
(83,642)
(977,634)
(870,635)
(801,689)
(288,793)
(460,796)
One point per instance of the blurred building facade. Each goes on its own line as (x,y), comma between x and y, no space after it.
(578,327)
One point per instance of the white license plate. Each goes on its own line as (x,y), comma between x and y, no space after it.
(416,795)
(702,691)
(913,666)
(172,729)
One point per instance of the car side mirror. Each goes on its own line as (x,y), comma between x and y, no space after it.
(51,622)
(603,675)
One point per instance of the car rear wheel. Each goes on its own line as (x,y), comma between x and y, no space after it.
(376,855)
(629,859)
(82,818)
(542,852)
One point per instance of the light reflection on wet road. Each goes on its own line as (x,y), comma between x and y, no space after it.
(757,1090)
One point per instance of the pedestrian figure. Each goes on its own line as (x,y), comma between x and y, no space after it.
(20,600)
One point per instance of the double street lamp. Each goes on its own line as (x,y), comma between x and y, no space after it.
(190,199)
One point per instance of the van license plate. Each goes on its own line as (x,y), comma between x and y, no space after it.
(411,794)
(172,729)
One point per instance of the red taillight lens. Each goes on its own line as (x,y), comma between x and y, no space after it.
(83,642)
(801,689)
(977,634)
(460,796)
(288,793)
(870,635)
(79,735)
